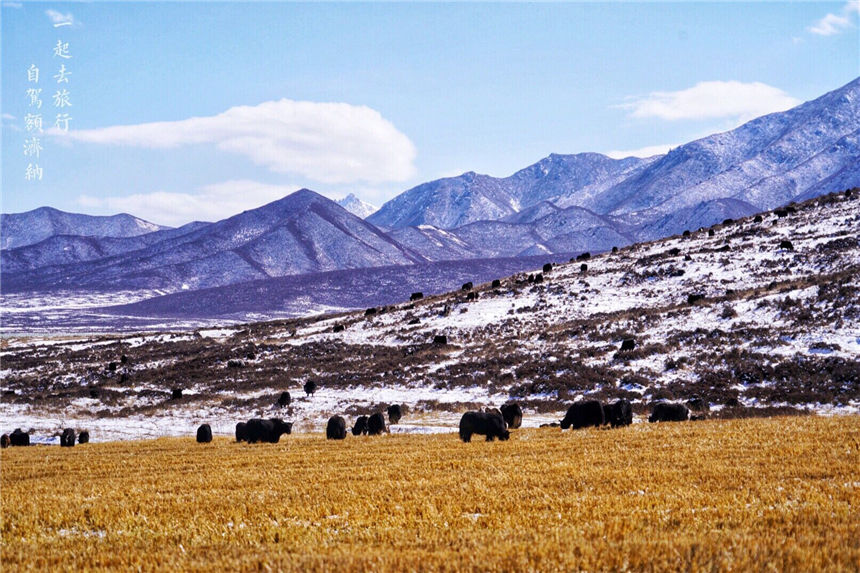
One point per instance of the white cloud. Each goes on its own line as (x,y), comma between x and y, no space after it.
(327,142)
(210,203)
(648,151)
(712,100)
(830,25)
(59,19)
(833,24)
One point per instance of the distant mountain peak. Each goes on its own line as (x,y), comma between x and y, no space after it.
(356,206)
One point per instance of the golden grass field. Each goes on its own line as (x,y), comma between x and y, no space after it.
(779,494)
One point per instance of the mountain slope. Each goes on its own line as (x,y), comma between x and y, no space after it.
(21,229)
(456,201)
(303,232)
(766,162)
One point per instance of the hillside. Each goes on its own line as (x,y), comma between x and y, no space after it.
(732,314)
(22,229)
(301,233)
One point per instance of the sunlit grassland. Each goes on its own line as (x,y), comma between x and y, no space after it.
(779,494)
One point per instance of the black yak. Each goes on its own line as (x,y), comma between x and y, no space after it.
(395,412)
(270,430)
(440,339)
(669,412)
(336,428)
(489,424)
(284,399)
(583,414)
(204,434)
(67,438)
(19,438)
(360,427)
(467,286)
(512,413)
(310,387)
(619,413)
(628,344)
(416,296)
(242,432)
(4,441)
(547,268)
(496,283)
(84,437)
(376,424)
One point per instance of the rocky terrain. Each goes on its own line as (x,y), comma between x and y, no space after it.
(756,316)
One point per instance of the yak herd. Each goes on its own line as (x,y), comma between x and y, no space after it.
(492,422)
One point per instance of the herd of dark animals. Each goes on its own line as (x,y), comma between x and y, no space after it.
(492,423)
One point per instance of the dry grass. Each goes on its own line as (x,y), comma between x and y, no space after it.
(777,494)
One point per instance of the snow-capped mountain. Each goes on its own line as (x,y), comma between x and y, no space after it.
(769,161)
(21,229)
(301,233)
(359,208)
(456,201)
(793,155)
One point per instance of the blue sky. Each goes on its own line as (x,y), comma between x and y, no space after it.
(184,111)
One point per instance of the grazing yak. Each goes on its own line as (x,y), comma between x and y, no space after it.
(176,394)
(19,438)
(619,413)
(242,432)
(583,268)
(467,286)
(496,283)
(395,412)
(440,339)
(335,429)
(84,437)
(416,296)
(376,424)
(583,257)
(786,245)
(270,430)
(4,441)
(547,268)
(512,413)
(583,414)
(669,412)
(284,399)
(67,438)
(360,427)
(204,434)
(338,328)
(628,344)
(310,387)
(489,424)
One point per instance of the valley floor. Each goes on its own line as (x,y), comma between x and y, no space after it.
(744,495)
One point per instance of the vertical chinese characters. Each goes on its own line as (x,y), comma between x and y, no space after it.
(33,125)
